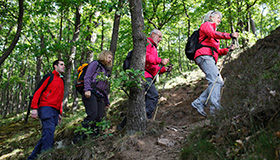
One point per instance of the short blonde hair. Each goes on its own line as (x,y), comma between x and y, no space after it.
(211,14)
(103,56)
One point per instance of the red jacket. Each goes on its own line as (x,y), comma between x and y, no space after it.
(52,96)
(152,60)
(209,29)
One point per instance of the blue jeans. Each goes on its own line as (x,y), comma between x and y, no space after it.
(49,119)
(151,98)
(208,66)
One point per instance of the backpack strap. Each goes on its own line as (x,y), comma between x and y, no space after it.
(212,48)
(51,75)
(149,43)
(150,73)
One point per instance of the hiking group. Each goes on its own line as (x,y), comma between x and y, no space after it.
(47,100)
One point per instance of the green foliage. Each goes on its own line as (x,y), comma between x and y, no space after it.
(129,78)
(102,77)
(199,147)
(82,130)
(265,146)
(104,125)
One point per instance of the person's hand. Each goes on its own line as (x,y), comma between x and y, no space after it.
(234,35)
(59,119)
(164,61)
(87,94)
(231,47)
(169,68)
(107,106)
(34,113)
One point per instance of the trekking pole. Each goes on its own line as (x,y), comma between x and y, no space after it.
(205,104)
(153,79)
(160,96)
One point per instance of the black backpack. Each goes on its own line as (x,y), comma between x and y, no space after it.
(193,44)
(37,87)
(79,82)
(126,62)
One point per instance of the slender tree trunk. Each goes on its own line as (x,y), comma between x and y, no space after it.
(253,26)
(20,88)
(115,34)
(7,100)
(136,117)
(102,35)
(71,58)
(7,52)
(189,30)
(179,54)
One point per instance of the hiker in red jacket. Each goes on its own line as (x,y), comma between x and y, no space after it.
(152,68)
(207,57)
(47,104)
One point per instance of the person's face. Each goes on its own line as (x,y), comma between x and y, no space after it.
(216,19)
(109,59)
(157,37)
(60,67)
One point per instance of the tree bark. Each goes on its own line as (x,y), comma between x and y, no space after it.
(136,117)
(15,40)
(70,61)
(115,35)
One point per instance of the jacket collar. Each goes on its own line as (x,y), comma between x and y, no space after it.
(152,41)
(57,73)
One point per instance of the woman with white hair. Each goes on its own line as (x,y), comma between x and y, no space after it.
(207,56)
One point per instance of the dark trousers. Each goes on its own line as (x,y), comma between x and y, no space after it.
(49,119)
(151,98)
(95,111)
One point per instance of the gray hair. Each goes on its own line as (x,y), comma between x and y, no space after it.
(211,14)
(154,31)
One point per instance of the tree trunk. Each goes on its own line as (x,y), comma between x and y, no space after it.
(179,54)
(102,35)
(70,61)
(114,40)
(253,26)
(15,40)
(136,117)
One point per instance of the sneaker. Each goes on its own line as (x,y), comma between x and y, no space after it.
(199,109)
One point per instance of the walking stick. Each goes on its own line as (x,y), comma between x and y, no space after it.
(153,79)
(160,96)
(205,104)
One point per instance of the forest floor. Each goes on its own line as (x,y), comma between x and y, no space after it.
(179,119)
(174,112)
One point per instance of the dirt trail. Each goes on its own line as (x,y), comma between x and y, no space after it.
(179,118)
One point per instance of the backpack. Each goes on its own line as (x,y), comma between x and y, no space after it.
(193,44)
(79,83)
(37,87)
(126,62)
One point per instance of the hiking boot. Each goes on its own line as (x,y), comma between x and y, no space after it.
(78,138)
(199,108)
